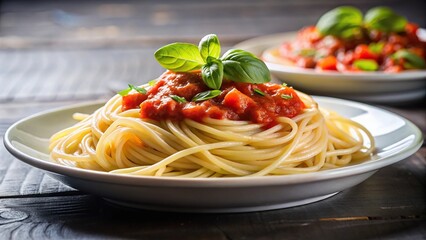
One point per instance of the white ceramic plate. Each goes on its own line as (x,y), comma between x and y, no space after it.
(376,87)
(396,139)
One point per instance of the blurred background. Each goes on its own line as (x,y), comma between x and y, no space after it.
(46,47)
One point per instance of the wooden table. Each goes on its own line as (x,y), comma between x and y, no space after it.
(57,53)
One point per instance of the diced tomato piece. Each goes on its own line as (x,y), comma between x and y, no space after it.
(411,28)
(388,49)
(348,58)
(310,33)
(363,52)
(169,108)
(237,101)
(327,63)
(215,112)
(146,108)
(132,101)
(261,115)
(194,111)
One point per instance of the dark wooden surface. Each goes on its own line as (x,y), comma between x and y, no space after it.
(57,53)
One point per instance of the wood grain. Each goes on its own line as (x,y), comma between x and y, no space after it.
(138,23)
(371,209)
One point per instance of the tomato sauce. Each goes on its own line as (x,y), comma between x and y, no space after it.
(237,101)
(312,50)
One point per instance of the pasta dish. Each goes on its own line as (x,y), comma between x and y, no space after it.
(211,117)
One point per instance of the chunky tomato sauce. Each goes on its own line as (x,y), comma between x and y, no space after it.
(312,50)
(237,101)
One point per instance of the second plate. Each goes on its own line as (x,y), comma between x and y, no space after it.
(376,87)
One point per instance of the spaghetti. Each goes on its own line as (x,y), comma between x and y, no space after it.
(121,142)
(211,117)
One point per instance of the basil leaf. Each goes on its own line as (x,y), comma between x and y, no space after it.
(286,96)
(413,60)
(242,66)
(209,46)
(258,91)
(206,95)
(366,64)
(179,57)
(178,99)
(130,88)
(138,89)
(212,73)
(342,22)
(307,52)
(376,47)
(384,19)
(284,84)
(125,92)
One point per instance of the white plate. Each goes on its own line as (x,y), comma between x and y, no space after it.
(377,87)
(396,139)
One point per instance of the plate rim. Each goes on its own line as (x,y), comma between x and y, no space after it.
(227,182)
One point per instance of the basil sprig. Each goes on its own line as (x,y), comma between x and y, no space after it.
(376,47)
(242,66)
(412,61)
(347,21)
(206,95)
(178,99)
(235,65)
(130,88)
(212,73)
(342,21)
(258,91)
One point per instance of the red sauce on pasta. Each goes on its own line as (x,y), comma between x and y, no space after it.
(258,103)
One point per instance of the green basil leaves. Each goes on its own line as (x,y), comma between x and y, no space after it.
(179,57)
(130,88)
(212,73)
(376,47)
(209,46)
(411,60)
(259,92)
(384,19)
(242,66)
(206,95)
(235,65)
(342,21)
(347,22)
